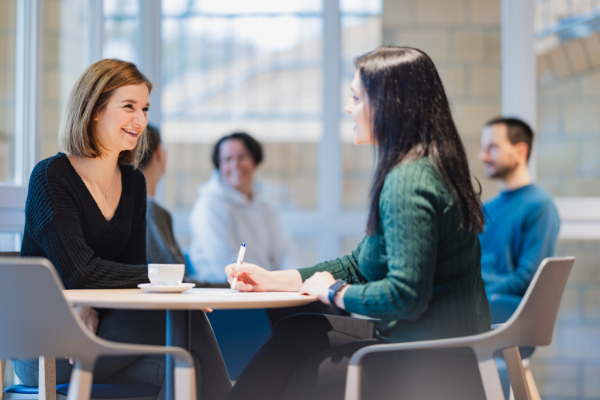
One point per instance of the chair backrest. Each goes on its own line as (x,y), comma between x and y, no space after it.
(35,318)
(532,324)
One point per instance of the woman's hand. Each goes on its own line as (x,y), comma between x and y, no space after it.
(251,278)
(89,317)
(318,285)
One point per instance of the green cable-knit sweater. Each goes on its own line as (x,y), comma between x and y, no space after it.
(419,273)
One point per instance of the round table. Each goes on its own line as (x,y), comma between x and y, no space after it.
(178,307)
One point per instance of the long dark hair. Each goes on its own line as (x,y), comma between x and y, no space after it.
(411,118)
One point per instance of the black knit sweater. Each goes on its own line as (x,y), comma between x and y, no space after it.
(64,224)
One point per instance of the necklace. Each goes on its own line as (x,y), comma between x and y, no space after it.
(88,174)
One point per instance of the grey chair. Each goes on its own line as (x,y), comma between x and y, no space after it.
(464,368)
(38,322)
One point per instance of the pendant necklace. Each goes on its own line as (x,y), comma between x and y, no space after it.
(98,186)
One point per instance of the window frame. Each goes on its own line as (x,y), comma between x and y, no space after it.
(28,83)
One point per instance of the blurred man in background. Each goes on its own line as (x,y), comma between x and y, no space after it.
(522,222)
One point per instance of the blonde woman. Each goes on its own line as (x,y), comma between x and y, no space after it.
(86,213)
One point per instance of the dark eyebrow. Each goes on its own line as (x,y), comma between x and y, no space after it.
(133,102)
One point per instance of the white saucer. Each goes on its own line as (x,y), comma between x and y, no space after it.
(148,287)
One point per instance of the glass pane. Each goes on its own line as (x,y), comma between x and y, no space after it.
(225,72)
(64,54)
(568,140)
(239,7)
(10,241)
(8,30)
(305,250)
(361,32)
(361,7)
(121,29)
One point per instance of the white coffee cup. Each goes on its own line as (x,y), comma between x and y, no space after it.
(166,274)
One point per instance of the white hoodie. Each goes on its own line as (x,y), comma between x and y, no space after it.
(222,219)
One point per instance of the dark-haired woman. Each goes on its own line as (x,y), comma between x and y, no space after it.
(418,268)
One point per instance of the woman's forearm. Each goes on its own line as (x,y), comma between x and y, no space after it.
(285,281)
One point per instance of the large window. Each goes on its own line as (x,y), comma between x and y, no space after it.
(18,91)
(225,70)
(361,32)
(63,61)
(121,33)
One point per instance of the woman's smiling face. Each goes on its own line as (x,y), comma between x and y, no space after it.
(119,125)
(358,106)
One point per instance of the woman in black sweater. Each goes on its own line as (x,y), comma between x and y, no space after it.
(86,213)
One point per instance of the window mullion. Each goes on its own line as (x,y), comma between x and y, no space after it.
(329,163)
(28,80)
(94,31)
(150,53)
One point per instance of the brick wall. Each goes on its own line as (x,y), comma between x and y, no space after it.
(463,39)
(570,367)
(569,140)
(568,163)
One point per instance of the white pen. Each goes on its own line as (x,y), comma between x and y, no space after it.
(239,262)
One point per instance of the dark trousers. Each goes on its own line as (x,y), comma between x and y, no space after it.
(149,328)
(306,357)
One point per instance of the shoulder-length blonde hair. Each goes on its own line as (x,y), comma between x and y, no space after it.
(89,97)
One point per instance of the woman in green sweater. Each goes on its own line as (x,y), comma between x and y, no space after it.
(417,271)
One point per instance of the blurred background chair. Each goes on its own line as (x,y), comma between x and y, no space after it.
(464,368)
(41,323)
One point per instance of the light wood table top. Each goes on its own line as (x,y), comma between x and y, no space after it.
(217,299)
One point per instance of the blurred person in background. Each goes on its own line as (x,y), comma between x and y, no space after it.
(522,222)
(161,246)
(231,210)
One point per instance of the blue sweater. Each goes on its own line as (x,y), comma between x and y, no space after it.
(521,229)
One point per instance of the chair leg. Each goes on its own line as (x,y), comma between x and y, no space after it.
(47,378)
(2,371)
(489,377)
(533,390)
(185,383)
(80,387)
(353,381)
(516,374)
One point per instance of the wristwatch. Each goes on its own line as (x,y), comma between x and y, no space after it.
(335,289)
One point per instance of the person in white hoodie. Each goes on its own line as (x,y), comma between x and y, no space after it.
(230,210)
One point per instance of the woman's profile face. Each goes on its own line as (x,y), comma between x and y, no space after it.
(236,164)
(123,119)
(358,106)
